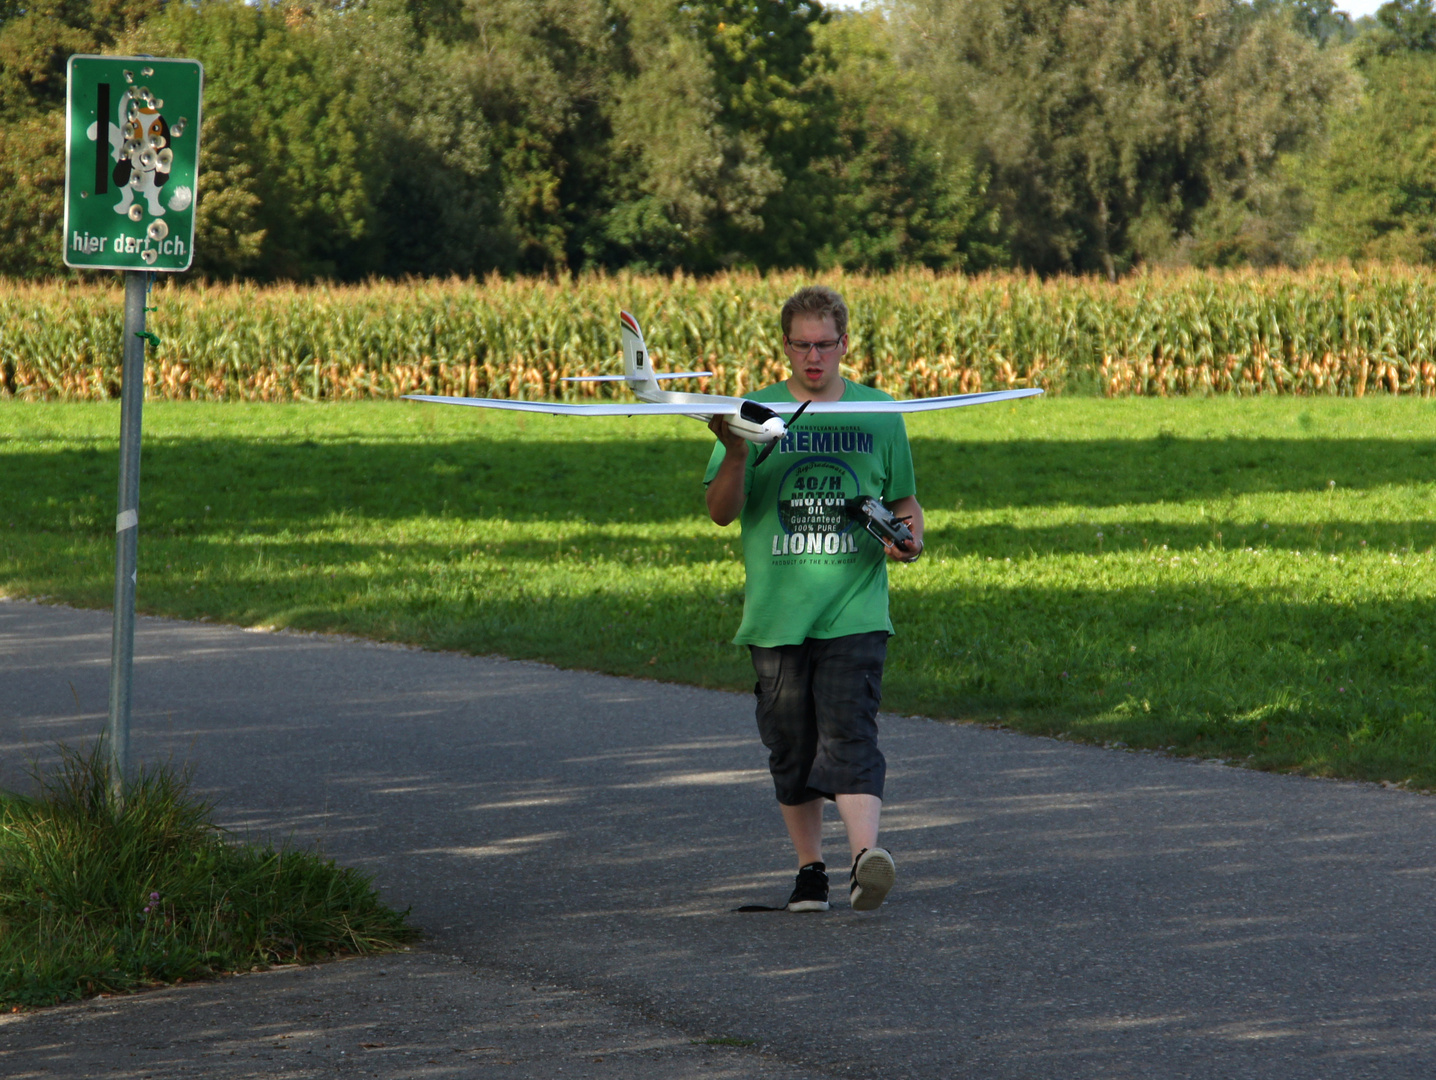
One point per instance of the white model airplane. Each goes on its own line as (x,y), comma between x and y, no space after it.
(758,422)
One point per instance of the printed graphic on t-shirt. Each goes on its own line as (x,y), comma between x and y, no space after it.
(812,573)
(826,442)
(812,509)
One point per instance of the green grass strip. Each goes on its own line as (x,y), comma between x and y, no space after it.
(93,900)
(1251,579)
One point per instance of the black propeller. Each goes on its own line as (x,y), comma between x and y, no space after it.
(763,455)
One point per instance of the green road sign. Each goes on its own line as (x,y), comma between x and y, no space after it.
(131,162)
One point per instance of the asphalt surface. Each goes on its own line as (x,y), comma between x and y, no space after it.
(1061,911)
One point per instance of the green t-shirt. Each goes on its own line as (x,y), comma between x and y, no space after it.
(812,571)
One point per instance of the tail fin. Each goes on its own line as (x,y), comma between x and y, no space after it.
(637,364)
(638,370)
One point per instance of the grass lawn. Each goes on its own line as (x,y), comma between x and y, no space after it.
(1242,578)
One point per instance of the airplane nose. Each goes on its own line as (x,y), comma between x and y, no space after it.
(774,427)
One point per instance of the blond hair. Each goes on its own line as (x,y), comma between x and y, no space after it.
(816,300)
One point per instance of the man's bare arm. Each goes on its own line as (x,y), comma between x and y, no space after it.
(725,493)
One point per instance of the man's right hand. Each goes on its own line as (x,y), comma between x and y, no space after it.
(725,493)
(732,442)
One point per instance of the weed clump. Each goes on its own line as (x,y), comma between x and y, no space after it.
(95,898)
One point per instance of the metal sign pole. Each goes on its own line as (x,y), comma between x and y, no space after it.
(132,127)
(127,530)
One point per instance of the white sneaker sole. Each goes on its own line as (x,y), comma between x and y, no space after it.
(808,905)
(873,879)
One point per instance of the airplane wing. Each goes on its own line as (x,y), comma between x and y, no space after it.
(716,405)
(951,401)
(710,406)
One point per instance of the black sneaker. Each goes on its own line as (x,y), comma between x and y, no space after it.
(811,892)
(871,879)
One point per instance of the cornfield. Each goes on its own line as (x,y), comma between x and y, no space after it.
(1331,330)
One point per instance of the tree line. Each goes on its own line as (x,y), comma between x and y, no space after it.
(356,138)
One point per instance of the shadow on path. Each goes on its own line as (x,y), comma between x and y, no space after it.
(1062,911)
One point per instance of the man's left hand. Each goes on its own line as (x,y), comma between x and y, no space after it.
(910,509)
(907,551)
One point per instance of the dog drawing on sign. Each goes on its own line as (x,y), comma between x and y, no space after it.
(140,146)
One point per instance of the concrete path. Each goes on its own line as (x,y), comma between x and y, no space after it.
(576,844)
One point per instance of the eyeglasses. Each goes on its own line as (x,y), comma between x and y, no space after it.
(802,348)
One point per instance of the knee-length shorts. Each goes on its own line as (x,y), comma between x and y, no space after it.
(817,715)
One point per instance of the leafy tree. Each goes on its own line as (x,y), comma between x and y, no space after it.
(441,21)
(903,198)
(1374,188)
(440,213)
(291,165)
(437,203)
(38,37)
(1405,26)
(677,173)
(764,58)
(540,74)
(464,136)
(32,182)
(773,135)
(648,134)
(1271,102)
(1111,125)
(715,112)
(1318,20)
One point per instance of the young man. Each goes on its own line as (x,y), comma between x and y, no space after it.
(815,613)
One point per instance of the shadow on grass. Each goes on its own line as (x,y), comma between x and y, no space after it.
(1116,472)
(1286,679)
(1316,684)
(213,483)
(1193,665)
(1345,535)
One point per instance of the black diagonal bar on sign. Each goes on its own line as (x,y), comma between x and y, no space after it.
(102,139)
